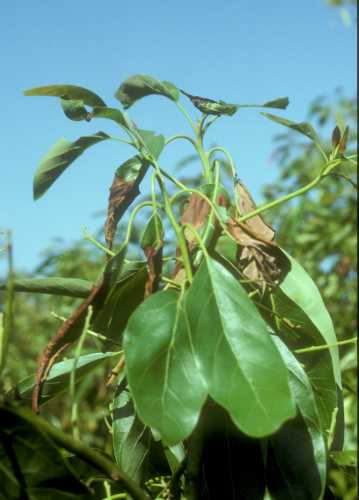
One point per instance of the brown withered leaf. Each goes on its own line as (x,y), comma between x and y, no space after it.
(124,189)
(259,258)
(154,268)
(68,332)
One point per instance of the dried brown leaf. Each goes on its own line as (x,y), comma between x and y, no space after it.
(154,268)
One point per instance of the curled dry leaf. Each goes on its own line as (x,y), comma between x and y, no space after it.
(259,257)
(124,189)
(154,269)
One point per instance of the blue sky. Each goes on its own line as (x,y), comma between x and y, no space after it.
(240,51)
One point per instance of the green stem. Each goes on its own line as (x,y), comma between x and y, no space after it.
(73,399)
(326,346)
(180,136)
(227,155)
(89,455)
(187,116)
(91,239)
(327,168)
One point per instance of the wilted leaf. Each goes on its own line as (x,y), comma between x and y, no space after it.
(88,97)
(67,287)
(152,245)
(138,86)
(59,375)
(259,258)
(124,189)
(162,371)
(237,357)
(211,107)
(302,127)
(60,156)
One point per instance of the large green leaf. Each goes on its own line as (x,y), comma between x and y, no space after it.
(59,375)
(299,287)
(138,86)
(67,92)
(166,385)
(32,467)
(113,114)
(60,156)
(302,127)
(239,360)
(67,287)
(303,393)
(131,439)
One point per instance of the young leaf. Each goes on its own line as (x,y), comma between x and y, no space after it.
(88,97)
(303,393)
(138,86)
(154,144)
(211,107)
(303,127)
(162,371)
(124,189)
(232,343)
(344,141)
(131,439)
(60,156)
(67,287)
(75,110)
(58,378)
(280,103)
(336,135)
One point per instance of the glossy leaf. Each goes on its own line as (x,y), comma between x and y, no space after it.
(138,86)
(302,127)
(32,466)
(67,92)
(299,287)
(58,378)
(233,345)
(162,371)
(303,393)
(67,287)
(131,439)
(60,156)
(154,144)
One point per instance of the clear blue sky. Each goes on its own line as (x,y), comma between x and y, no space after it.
(236,50)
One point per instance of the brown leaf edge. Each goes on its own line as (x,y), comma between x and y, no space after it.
(60,342)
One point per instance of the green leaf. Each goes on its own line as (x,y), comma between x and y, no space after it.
(303,394)
(238,359)
(211,107)
(131,439)
(67,287)
(57,380)
(299,287)
(138,86)
(162,371)
(280,103)
(75,110)
(113,114)
(60,156)
(67,92)
(346,458)
(129,170)
(152,235)
(302,127)
(32,466)
(154,144)
(123,298)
